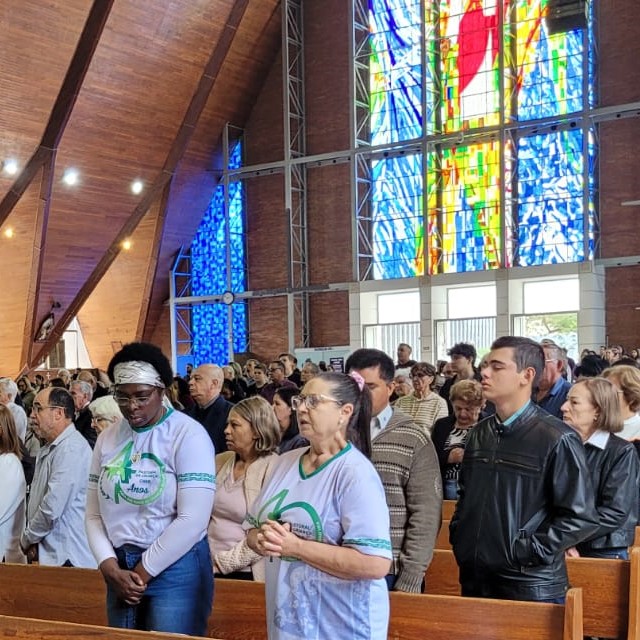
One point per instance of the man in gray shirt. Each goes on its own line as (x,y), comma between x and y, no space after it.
(55,533)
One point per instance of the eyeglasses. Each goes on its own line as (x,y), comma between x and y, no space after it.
(39,408)
(417,376)
(99,419)
(137,401)
(312,400)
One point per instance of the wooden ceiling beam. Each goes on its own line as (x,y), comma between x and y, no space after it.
(78,67)
(37,259)
(63,106)
(176,151)
(153,263)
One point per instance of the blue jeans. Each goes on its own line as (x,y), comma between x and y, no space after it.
(178,600)
(450,489)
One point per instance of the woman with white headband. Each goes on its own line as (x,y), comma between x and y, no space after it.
(150,494)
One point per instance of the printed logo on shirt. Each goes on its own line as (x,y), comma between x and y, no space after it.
(304,519)
(137,478)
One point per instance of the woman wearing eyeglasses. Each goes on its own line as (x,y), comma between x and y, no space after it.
(105,412)
(150,495)
(424,405)
(323,521)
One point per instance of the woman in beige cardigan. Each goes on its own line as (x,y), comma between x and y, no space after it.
(252,434)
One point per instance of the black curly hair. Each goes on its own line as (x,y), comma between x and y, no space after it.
(144,352)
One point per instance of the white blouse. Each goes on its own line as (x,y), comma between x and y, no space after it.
(12,507)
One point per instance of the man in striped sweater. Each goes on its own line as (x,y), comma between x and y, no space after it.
(404,457)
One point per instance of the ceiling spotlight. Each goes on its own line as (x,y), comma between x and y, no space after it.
(8,232)
(10,167)
(136,187)
(127,244)
(71,177)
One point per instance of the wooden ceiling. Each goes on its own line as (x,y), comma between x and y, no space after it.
(119,90)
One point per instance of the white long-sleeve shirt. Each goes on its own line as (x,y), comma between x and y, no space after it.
(12,507)
(152,488)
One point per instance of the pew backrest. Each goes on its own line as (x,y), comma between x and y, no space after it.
(448,507)
(78,596)
(416,617)
(31,629)
(610,591)
(442,540)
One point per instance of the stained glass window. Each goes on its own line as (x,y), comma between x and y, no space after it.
(395,78)
(210,275)
(493,194)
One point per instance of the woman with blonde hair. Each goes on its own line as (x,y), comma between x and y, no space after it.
(13,493)
(592,409)
(252,435)
(626,380)
(449,434)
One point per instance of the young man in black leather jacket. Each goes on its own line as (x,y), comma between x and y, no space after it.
(525,491)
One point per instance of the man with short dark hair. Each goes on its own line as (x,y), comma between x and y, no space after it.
(291,371)
(406,461)
(404,356)
(525,491)
(278,381)
(55,532)
(463,358)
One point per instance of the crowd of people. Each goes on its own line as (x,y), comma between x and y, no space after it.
(327,486)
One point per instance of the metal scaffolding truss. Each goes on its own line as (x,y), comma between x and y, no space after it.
(360,53)
(180,312)
(295,175)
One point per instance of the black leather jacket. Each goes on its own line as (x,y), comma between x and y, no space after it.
(525,497)
(614,474)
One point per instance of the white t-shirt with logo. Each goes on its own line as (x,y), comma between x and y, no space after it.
(138,481)
(341,503)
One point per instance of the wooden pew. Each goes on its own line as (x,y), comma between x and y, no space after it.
(72,595)
(448,507)
(78,595)
(413,617)
(31,629)
(442,540)
(610,591)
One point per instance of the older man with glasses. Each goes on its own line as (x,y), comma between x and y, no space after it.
(55,533)
(279,380)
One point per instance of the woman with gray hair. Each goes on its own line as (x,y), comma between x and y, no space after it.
(104,413)
(8,393)
(424,405)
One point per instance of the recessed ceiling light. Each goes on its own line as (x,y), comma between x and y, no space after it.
(127,244)
(70,177)
(10,167)
(137,186)
(8,232)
